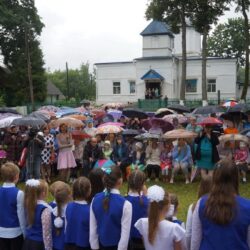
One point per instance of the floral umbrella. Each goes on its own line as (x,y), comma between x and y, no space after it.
(119,124)
(179,134)
(181,118)
(109,129)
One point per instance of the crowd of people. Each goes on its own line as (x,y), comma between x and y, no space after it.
(93,214)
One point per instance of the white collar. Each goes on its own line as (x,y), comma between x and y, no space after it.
(8,184)
(113,191)
(83,202)
(174,218)
(42,202)
(133,194)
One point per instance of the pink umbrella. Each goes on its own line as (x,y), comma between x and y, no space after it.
(169,118)
(118,124)
(210,121)
(157,123)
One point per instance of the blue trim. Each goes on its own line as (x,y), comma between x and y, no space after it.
(152,74)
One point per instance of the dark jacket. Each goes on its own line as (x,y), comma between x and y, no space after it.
(214,141)
(124,156)
(141,160)
(92,152)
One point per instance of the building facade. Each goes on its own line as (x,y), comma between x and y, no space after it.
(157,73)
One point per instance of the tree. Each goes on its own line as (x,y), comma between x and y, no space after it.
(20,20)
(228,40)
(173,13)
(243,6)
(205,14)
(81,82)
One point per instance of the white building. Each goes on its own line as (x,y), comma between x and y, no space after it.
(159,68)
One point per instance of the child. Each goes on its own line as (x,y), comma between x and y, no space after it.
(38,213)
(175,202)
(107,150)
(55,185)
(139,206)
(157,232)
(166,159)
(240,157)
(77,216)
(110,215)
(62,196)
(12,222)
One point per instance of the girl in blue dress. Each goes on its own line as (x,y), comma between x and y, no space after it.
(221,219)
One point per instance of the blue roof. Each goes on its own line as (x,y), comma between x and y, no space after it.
(152,74)
(157,28)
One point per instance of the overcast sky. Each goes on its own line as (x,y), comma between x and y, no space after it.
(92,30)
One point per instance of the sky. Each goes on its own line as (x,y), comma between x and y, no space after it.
(80,31)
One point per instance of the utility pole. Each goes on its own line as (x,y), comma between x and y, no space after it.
(29,68)
(67,80)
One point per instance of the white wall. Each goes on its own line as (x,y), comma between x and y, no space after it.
(157,45)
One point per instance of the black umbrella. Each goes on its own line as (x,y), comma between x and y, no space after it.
(131,132)
(39,115)
(206,110)
(234,116)
(241,107)
(133,113)
(148,136)
(9,110)
(28,121)
(179,108)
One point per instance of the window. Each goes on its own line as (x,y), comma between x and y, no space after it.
(116,88)
(191,85)
(211,85)
(132,87)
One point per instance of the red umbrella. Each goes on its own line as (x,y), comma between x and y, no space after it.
(210,121)
(79,135)
(98,113)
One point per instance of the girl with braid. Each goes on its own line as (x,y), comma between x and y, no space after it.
(136,196)
(110,215)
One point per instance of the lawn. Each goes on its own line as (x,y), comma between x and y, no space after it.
(187,193)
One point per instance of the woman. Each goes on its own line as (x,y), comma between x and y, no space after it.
(182,159)
(206,153)
(47,153)
(153,153)
(66,159)
(221,219)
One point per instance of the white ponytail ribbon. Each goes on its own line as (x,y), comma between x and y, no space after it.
(156,193)
(58,222)
(32,183)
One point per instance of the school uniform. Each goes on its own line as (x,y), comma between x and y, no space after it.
(35,238)
(139,210)
(179,222)
(209,235)
(52,204)
(110,229)
(58,233)
(12,219)
(77,225)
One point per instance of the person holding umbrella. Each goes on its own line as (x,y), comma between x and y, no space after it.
(206,153)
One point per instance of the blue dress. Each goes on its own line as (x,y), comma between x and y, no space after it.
(205,161)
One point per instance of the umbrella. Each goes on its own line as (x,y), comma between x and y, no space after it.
(210,121)
(157,123)
(179,134)
(131,132)
(114,105)
(148,136)
(66,112)
(49,108)
(9,110)
(40,115)
(85,102)
(179,108)
(6,115)
(108,118)
(48,113)
(115,113)
(230,104)
(28,121)
(98,113)
(109,129)
(206,110)
(234,137)
(234,116)
(150,114)
(181,118)
(119,124)
(70,122)
(79,135)
(133,113)
(78,117)
(163,111)
(6,122)
(245,131)
(241,107)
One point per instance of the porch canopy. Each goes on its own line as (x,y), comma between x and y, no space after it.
(152,75)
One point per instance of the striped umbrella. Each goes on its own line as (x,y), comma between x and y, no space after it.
(230,104)
(109,129)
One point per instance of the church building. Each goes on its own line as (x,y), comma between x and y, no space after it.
(157,73)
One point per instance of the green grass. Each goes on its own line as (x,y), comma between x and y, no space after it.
(187,193)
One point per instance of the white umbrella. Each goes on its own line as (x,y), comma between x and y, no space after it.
(6,122)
